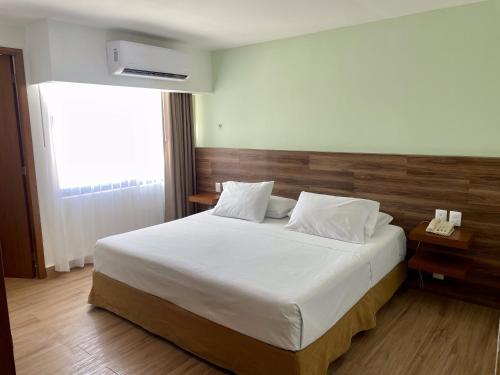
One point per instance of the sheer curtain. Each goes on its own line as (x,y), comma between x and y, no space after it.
(103,167)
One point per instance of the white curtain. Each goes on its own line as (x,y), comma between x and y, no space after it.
(101,169)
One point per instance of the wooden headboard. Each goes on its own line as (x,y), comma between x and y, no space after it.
(408,187)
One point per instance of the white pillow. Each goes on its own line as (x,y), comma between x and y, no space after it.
(242,200)
(383,219)
(371,222)
(340,218)
(279,207)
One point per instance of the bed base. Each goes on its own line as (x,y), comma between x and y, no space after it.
(232,350)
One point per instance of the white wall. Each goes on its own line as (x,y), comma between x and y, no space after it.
(75,53)
(39,153)
(12,36)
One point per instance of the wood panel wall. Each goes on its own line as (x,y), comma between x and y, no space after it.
(408,187)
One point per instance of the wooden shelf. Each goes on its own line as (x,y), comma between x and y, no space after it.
(454,267)
(208,199)
(461,238)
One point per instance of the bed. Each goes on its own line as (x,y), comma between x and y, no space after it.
(251,298)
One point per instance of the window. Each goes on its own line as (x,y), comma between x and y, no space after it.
(105,137)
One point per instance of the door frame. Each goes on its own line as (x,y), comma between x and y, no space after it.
(27,152)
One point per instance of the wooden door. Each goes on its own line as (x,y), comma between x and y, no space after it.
(15,232)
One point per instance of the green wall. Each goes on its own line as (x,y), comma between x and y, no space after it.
(421,84)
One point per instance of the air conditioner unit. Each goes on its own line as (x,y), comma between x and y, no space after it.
(145,61)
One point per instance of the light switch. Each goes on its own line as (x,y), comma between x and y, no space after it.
(218,187)
(441,215)
(456,218)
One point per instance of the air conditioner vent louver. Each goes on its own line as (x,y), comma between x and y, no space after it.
(145,61)
(146,73)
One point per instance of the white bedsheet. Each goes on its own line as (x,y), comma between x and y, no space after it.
(281,287)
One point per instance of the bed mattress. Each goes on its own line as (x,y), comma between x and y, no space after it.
(280,287)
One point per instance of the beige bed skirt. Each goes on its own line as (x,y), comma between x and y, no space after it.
(232,350)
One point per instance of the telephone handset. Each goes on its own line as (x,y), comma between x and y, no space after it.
(443,228)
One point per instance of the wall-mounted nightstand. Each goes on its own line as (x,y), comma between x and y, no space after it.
(433,257)
(434,260)
(205,199)
(451,260)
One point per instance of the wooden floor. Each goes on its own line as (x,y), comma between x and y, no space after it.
(56,332)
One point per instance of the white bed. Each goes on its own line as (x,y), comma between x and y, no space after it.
(280,287)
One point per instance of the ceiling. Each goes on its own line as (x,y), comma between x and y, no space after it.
(214,24)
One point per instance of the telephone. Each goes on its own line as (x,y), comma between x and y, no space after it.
(441,227)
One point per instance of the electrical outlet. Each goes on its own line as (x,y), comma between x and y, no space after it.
(456,218)
(441,215)
(218,187)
